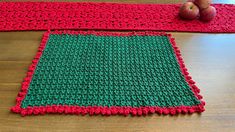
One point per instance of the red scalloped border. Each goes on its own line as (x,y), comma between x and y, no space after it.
(104,110)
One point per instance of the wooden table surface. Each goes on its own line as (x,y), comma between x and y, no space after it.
(210,59)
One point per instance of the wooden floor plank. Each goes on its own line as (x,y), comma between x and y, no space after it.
(13,71)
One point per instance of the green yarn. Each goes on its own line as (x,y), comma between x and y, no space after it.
(89,70)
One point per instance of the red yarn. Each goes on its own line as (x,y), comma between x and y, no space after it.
(108,112)
(84,111)
(191,110)
(92,111)
(173,112)
(145,110)
(165,111)
(126,112)
(139,112)
(134,112)
(159,110)
(108,16)
(151,110)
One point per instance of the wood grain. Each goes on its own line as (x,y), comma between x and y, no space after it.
(210,59)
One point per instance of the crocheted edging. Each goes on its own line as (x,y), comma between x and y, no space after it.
(104,110)
(103,33)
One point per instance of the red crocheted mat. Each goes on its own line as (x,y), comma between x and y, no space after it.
(108,16)
(104,110)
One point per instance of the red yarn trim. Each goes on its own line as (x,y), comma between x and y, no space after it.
(105,33)
(185,72)
(104,110)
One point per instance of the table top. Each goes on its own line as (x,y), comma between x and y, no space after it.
(210,59)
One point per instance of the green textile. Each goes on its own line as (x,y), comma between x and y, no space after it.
(90,70)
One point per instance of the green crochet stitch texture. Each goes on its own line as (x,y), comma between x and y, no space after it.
(90,70)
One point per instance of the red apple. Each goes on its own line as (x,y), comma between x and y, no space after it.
(208,14)
(203,4)
(189,11)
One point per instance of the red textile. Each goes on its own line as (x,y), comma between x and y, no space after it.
(108,16)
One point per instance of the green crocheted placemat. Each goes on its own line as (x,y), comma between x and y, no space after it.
(108,73)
